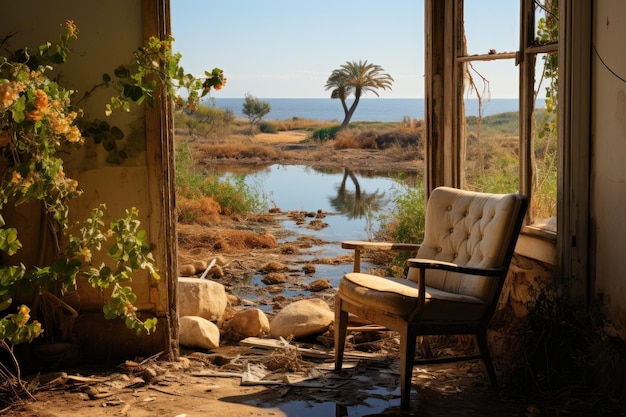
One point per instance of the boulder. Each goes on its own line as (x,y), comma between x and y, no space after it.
(198,332)
(302,319)
(201,297)
(250,323)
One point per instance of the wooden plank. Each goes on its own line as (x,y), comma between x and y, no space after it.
(306,352)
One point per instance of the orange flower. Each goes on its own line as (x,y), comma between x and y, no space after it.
(24,311)
(8,95)
(60,125)
(41,99)
(34,115)
(28,181)
(74,135)
(16,177)
(71,28)
(129,309)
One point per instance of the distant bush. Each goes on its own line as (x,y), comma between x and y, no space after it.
(205,121)
(378,138)
(267,127)
(497,124)
(325,133)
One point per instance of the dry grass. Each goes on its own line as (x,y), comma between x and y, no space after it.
(223,240)
(369,138)
(204,211)
(235,150)
(299,124)
(349,139)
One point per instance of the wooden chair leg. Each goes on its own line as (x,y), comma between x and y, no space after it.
(408,339)
(341,327)
(480,340)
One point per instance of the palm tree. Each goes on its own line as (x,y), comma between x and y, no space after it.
(358,78)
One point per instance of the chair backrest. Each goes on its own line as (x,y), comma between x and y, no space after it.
(471,229)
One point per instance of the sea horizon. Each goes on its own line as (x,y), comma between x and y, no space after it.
(368,110)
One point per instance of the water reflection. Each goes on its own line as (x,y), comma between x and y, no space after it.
(357,197)
(356,204)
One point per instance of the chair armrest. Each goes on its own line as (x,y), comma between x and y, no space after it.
(359,245)
(448,266)
(362,244)
(423,264)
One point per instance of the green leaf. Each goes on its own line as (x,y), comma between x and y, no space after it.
(117,133)
(121,72)
(5,304)
(133,92)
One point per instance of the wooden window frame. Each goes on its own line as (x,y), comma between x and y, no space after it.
(445,149)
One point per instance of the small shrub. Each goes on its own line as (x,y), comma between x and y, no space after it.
(267,127)
(204,211)
(232,194)
(325,133)
(356,139)
(346,142)
(404,222)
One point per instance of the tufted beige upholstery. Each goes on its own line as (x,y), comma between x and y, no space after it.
(453,283)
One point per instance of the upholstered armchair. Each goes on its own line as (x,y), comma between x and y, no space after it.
(452,285)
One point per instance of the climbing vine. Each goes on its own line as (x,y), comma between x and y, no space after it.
(40,121)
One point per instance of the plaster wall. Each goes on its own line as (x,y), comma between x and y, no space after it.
(109,32)
(608,166)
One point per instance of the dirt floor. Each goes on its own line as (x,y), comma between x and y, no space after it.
(237,379)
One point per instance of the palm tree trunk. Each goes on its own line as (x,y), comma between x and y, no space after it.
(346,120)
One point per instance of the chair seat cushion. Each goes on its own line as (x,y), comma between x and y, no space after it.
(399,296)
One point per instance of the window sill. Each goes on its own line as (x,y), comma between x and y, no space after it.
(537,244)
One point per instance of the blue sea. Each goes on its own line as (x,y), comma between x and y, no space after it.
(368,110)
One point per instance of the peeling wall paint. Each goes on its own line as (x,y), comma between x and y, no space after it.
(608,178)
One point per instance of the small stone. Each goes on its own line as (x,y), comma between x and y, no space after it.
(200,266)
(274,267)
(186,270)
(289,249)
(198,332)
(320,285)
(216,271)
(250,323)
(274,278)
(302,319)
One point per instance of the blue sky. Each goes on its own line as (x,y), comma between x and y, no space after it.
(288,48)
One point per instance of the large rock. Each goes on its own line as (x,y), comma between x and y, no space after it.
(198,332)
(302,319)
(201,297)
(250,323)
